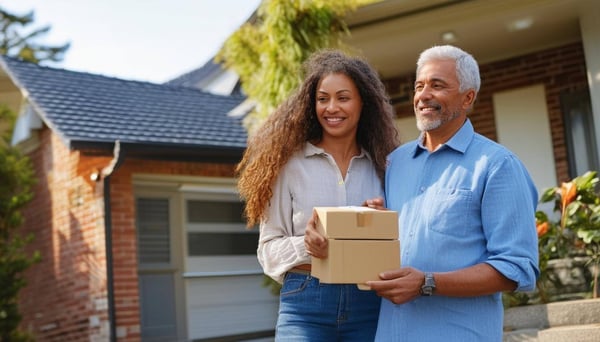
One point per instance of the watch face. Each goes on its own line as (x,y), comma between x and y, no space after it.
(429,285)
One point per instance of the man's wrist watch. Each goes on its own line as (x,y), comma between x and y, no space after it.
(428,286)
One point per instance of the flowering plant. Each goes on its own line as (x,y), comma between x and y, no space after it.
(573,230)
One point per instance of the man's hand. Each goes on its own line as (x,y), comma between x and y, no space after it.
(399,286)
(314,242)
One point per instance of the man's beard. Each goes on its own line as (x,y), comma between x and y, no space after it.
(427,125)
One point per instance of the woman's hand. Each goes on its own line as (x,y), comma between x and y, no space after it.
(375,203)
(314,242)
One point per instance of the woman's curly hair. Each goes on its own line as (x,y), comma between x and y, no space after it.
(295,122)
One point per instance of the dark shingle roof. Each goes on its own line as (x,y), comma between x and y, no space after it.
(89,110)
(201,77)
(192,78)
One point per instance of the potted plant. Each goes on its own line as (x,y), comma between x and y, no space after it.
(572,230)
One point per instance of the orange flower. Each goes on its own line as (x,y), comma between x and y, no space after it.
(568,192)
(542,228)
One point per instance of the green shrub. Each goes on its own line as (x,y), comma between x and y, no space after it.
(16,179)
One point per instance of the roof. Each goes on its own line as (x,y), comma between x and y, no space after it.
(205,77)
(91,112)
(192,78)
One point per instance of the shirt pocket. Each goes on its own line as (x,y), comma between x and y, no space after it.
(449,211)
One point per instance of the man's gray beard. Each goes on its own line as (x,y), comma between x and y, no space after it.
(424,125)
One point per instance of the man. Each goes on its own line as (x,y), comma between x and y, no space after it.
(466,210)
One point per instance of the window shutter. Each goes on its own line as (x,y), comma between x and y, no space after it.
(153,230)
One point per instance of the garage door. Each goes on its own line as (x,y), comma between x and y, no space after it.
(223,280)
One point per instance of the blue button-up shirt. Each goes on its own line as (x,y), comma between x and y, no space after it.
(471,201)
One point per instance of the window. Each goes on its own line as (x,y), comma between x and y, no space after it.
(217,228)
(579,132)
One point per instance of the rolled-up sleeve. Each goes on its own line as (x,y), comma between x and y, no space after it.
(508,217)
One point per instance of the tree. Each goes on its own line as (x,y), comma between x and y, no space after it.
(18,44)
(267,52)
(16,179)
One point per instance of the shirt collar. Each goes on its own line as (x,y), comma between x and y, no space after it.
(458,142)
(312,150)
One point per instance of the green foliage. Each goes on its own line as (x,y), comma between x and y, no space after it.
(267,52)
(578,229)
(23,45)
(16,180)
(573,230)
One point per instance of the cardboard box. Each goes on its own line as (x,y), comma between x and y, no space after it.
(356,261)
(355,222)
(362,242)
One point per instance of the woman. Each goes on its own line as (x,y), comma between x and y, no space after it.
(325,146)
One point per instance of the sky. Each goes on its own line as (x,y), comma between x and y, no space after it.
(145,40)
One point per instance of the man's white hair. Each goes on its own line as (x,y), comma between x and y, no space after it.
(467,70)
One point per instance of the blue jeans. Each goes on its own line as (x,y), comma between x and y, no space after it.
(311,311)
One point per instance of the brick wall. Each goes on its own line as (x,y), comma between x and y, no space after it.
(65,299)
(560,69)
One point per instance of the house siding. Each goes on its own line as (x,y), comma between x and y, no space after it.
(66,295)
(560,69)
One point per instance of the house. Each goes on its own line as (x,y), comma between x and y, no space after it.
(136,213)
(539,63)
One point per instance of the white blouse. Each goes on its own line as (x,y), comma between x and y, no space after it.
(310,179)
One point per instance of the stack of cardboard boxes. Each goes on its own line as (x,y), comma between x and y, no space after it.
(362,242)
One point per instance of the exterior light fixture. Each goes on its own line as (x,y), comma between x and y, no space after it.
(520,24)
(449,37)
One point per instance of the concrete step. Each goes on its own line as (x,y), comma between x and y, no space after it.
(568,321)
(557,314)
(572,333)
(521,335)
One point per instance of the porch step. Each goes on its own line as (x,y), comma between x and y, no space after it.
(574,312)
(521,335)
(573,321)
(575,333)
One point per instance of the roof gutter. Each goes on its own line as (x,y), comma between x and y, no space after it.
(106,173)
(165,152)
